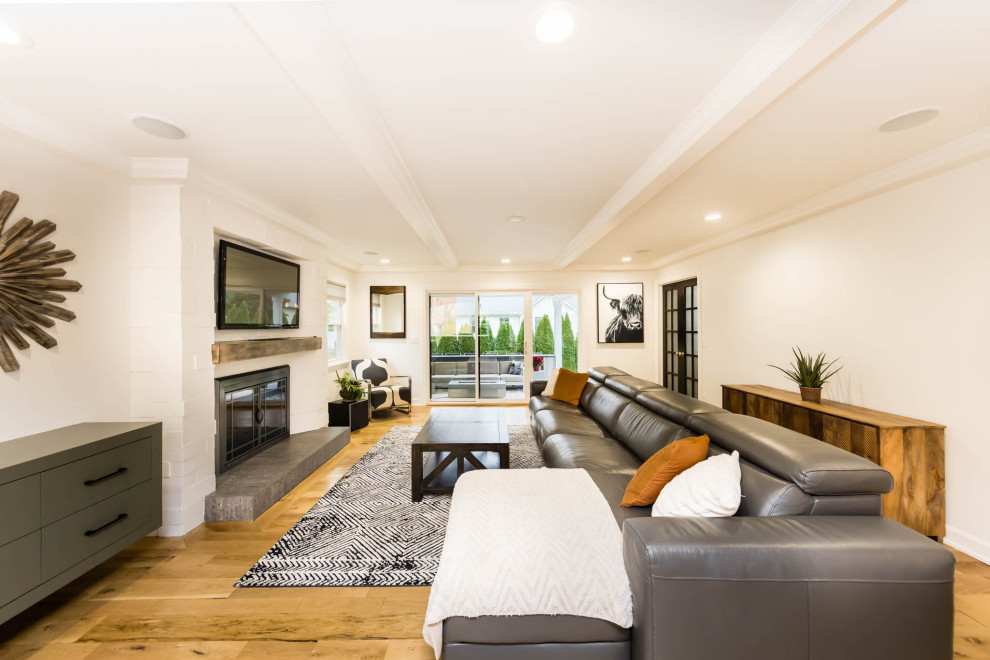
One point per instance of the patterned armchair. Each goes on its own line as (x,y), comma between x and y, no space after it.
(385,391)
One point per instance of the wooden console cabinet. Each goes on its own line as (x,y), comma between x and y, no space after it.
(70,499)
(913,451)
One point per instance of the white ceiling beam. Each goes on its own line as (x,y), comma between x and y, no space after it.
(807,35)
(303,41)
(966,149)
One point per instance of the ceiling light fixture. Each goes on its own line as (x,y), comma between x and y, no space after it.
(909,119)
(158,127)
(555,26)
(711,217)
(627,259)
(11,37)
(506,261)
(515,218)
(383,261)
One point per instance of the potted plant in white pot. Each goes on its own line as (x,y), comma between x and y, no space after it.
(809,373)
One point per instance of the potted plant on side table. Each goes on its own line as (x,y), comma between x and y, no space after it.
(809,373)
(350,388)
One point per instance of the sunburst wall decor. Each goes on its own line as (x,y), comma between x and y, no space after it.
(28,284)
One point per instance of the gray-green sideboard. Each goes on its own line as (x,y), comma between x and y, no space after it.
(70,499)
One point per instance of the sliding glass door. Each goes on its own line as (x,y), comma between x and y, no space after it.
(501,346)
(555,339)
(453,344)
(485,347)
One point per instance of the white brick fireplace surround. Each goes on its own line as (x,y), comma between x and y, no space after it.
(174,229)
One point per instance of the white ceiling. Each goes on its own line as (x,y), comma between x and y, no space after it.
(413,129)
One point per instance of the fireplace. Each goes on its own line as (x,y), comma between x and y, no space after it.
(252,414)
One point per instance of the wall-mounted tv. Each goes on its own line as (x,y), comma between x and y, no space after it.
(255,290)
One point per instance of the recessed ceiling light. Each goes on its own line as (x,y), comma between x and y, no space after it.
(555,26)
(158,127)
(11,37)
(713,216)
(515,218)
(909,119)
(383,261)
(627,259)
(506,261)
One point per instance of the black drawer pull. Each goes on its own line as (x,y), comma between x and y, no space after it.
(91,482)
(91,532)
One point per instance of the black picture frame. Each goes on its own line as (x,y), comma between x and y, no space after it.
(615,314)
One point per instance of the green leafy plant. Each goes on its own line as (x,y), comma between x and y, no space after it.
(486,340)
(520,346)
(350,388)
(807,371)
(568,344)
(504,340)
(543,337)
(465,340)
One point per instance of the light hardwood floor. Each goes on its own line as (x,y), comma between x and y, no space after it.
(174,597)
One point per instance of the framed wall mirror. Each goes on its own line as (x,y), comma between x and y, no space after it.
(388,312)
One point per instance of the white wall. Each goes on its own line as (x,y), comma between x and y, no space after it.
(85,377)
(411,355)
(896,286)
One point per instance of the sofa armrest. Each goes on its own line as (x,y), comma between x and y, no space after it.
(787,587)
(536,387)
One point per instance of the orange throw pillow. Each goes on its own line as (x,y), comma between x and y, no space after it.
(569,386)
(661,468)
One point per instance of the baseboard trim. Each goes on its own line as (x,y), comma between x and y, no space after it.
(973,546)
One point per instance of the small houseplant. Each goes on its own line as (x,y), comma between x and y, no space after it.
(350,389)
(809,373)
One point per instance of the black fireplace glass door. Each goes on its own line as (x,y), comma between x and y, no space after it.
(241,407)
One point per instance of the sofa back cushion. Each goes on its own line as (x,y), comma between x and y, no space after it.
(765,494)
(645,433)
(816,467)
(630,386)
(589,391)
(601,373)
(604,406)
(675,406)
(489,367)
(444,368)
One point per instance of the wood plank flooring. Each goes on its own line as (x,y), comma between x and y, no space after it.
(174,597)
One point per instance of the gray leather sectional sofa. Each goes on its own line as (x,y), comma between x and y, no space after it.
(807,569)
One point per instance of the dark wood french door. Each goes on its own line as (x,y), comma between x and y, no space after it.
(680,337)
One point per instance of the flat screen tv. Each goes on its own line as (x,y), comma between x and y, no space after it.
(255,290)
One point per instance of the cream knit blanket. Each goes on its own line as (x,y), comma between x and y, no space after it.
(529,542)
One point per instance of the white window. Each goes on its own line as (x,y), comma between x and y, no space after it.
(335,322)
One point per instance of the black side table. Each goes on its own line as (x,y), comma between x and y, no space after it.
(349,413)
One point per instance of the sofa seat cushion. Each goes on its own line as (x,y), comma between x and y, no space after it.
(538,403)
(532,629)
(551,422)
(568,450)
(613,487)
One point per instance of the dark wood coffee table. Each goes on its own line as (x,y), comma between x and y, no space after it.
(455,440)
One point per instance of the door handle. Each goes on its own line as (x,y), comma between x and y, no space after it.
(680,354)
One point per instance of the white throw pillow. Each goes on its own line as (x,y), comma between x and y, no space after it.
(551,382)
(711,488)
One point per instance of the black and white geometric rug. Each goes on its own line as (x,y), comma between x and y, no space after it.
(366,531)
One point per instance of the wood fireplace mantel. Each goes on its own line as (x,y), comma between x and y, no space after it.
(248,349)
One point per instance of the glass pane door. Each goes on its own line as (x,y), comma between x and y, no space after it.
(453,373)
(501,343)
(555,326)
